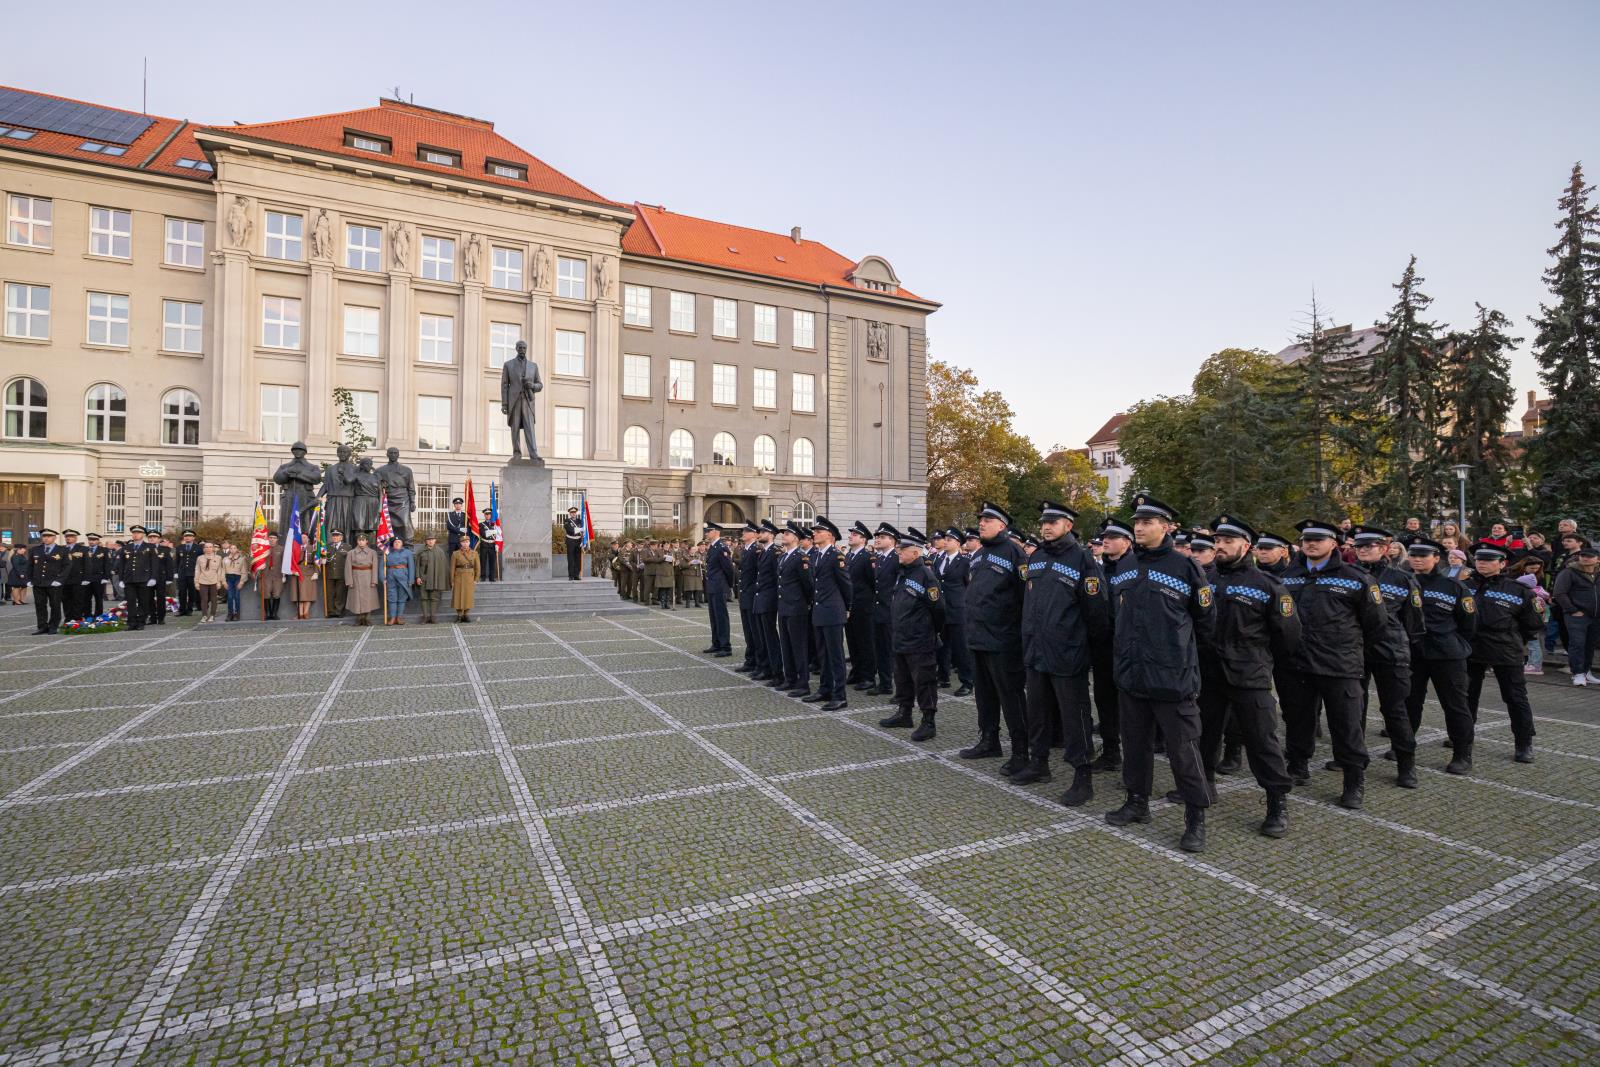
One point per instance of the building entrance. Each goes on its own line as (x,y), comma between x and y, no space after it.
(724,513)
(21,511)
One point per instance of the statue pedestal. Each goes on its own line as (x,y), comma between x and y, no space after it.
(526,510)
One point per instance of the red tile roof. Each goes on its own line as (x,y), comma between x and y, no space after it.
(1109,431)
(664,234)
(150,151)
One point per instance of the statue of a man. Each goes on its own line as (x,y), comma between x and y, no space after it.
(519,382)
(602,277)
(877,340)
(339,486)
(322,236)
(296,479)
(401,488)
(239,221)
(367,488)
(400,245)
(541,269)
(473,260)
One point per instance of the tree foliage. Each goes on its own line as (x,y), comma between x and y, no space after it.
(1477,398)
(1402,409)
(350,424)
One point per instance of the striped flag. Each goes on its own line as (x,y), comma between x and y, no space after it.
(260,547)
(384,531)
(318,538)
(494,518)
(588,522)
(293,546)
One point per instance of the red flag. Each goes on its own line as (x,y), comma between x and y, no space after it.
(473,529)
(384,531)
(260,547)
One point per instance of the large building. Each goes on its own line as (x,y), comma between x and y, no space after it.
(183,301)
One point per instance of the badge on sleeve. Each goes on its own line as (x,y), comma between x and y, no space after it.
(933,594)
(1091,587)
(1468,606)
(1416,598)
(1205,596)
(1377,596)
(1286,606)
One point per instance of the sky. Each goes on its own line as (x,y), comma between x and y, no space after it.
(1100,194)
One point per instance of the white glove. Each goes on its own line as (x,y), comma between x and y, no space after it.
(83,583)
(54,584)
(151,583)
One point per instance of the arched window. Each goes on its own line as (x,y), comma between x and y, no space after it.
(723,450)
(180,418)
(804,458)
(636,513)
(27,406)
(105,414)
(636,447)
(804,512)
(766,453)
(680,450)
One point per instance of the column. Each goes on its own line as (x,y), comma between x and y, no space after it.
(697,510)
(607,363)
(400,427)
(233,337)
(319,354)
(473,361)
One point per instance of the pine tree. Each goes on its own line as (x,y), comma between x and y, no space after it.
(1402,407)
(1566,456)
(1477,398)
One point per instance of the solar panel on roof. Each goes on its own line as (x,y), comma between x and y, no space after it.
(20,108)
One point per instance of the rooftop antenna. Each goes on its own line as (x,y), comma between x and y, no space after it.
(144,102)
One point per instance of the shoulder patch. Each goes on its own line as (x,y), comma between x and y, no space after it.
(1467,605)
(1091,587)
(1286,606)
(1416,597)
(1205,596)
(933,594)
(1377,595)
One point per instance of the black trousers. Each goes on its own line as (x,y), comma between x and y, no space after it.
(721,632)
(47,602)
(1105,697)
(794,635)
(1062,700)
(1449,678)
(1301,694)
(915,675)
(574,559)
(1513,690)
(1000,685)
(140,599)
(765,627)
(188,595)
(488,561)
(830,650)
(953,652)
(753,655)
(858,639)
(1255,714)
(94,598)
(883,654)
(1179,722)
(1394,689)
(158,602)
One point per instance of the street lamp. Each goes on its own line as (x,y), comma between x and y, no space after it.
(897,502)
(1462,470)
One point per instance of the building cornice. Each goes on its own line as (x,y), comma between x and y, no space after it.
(839,291)
(88,169)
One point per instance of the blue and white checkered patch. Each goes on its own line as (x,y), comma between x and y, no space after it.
(1297,582)
(1394,592)
(1249,591)
(1171,582)
(1340,583)
(990,558)
(1440,595)
(1124,576)
(1509,599)
(1059,568)
(916,587)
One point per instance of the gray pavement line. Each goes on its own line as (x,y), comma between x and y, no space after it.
(410,685)
(139,787)
(1567,722)
(1488,986)
(60,881)
(401,716)
(618,1023)
(1411,831)
(999,951)
(71,711)
(139,1019)
(95,748)
(55,683)
(1506,787)
(43,746)
(1543,750)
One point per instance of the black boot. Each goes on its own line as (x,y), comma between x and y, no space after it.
(1276,824)
(1194,829)
(1524,752)
(925,730)
(1331,765)
(1110,759)
(964,691)
(1033,771)
(1018,760)
(1135,809)
(899,718)
(1354,789)
(1406,775)
(1231,759)
(1461,761)
(1299,771)
(988,746)
(1082,790)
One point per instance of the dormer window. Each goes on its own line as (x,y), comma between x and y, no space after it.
(102,149)
(440,157)
(501,169)
(195,164)
(874,273)
(367,142)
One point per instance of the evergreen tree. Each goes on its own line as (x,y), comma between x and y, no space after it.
(1402,414)
(1566,456)
(1477,397)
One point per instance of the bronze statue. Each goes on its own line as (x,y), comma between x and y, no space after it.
(367,489)
(296,479)
(339,487)
(400,485)
(519,382)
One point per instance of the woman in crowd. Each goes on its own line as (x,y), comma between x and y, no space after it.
(17,571)
(235,571)
(210,575)
(304,587)
(1577,590)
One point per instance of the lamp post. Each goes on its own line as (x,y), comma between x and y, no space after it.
(1462,470)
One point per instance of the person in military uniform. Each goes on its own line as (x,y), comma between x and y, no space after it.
(1450,618)
(832,601)
(718,580)
(186,555)
(400,574)
(169,572)
(269,582)
(141,570)
(488,547)
(572,531)
(335,587)
(99,572)
(1163,605)
(995,591)
(47,563)
(661,565)
(1509,616)
(918,606)
(464,566)
(766,607)
(795,592)
(1388,660)
(1066,608)
(1116,539)
(952,566)
(455,526)
(858,564)
(755,659)
(433,576)
(1272,553)
(885,570)
(74,576)
(362,567)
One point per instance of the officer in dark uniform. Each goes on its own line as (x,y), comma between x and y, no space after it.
(918,607)
(952,567)
(47,563)
(995,590)
(858,564)
(455,525)
(1509,616)
(719,574)
(1065,611)
(1272,557)
(167,563)
(885,571)
(99,572)
(766,606)
(1256,626)
(1341,613)
(1272,553)
(1388,659)
(755,659)
(141,571)
(1116,538)
(185,555)
(572,528)
(830,611)
(74,578)
(1450,618)
(795,592)
(1163,603)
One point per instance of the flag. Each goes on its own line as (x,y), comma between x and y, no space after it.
(588,523)
(474,528)
(494,517)
(385,531)
(292,549)
(318,539)
(260,547)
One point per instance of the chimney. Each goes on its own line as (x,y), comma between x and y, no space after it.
(1533,397)
(794,235)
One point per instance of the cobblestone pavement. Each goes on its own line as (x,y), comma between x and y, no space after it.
(577,841)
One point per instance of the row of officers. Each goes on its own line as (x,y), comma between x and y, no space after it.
(1199,651)
(69,576)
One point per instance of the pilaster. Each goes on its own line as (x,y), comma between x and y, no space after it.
(473,359)
(318,406)
(401,425)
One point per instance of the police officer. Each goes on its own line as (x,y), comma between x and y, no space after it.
(1116,541)
(1388,659)
(1256,626)
(1450,618)
(572,528)
(1203,550)
(47,563)
(830,611)
(995,591)
(885,571)
(75,576)
(1163,603)
(719,579)
(185,555)
(1509,616)
(1272,553)
(455,526)
(795,591)
(1065,611)
(858,564)
(918,606)
(952,567)
(141,571)
(749,565)
(167,568)
(766,606)
(99,572)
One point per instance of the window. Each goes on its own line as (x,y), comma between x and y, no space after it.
(505,270)
(636,446)
(766,453)
(636,305)
(367,142)
(766,388)
(439,259)
(188,504)
(186,240)
(680,450)
(636,376)
(636,513)
(436,343)
(433,504)
(677,516)
(155,505)
(103,149)
(682,318)
(182,325)
(267,493)
(29,220)
(366,405)
(805,392)
(567,496)
(180,418)
(1108,459)
(804,459)
(438,156)
(766,319)
(724,450)
(27,409)
(724,318)
(360,331)
(110,232)
(569,433)
(805,329)
(116,506)
(105,414)
(363,247)
(804,512)
(499,439)
(570,352)
(27,311)
(572,278)
(503,338)
(680,379)
(515,171)
(724,384)
(433,423)
(280,414)
(280,322)
(108,319)
(285,236)
(195,164)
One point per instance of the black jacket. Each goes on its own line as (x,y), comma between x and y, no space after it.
(1341,613)
(953,582)
(1576,591)
(47,565)
(794,584)
(918,608)
(767,580)
(719,568)
(140,563)
(749,575)
(1450,617)
(186,556)
(1257,625)
(830,603)
(1163,604)
(885,572)
(78,563)
(1509,616)
(1067,606)
(995,588)
(863,589)
(1402,600)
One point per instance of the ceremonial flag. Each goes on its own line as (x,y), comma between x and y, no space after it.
(474,528)
(385,531)
(260,547)
(319,537)
(292,547)
(494,517)
(588,523)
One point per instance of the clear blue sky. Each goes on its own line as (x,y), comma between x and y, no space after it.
(1100,193)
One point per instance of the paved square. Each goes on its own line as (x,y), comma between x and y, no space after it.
(579,841)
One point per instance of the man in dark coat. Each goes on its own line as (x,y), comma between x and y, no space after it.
(830,611)
(994,633)
(718,579)
(47,562)
(1509,616)
(858,564)
(766,607)
(795,592)
(952,566)
(918,618)
(755,658)
(885,569)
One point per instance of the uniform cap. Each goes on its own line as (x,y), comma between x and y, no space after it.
(911,539)
(1146,506)
(569,510)
(1097,541)
(93,537)
(1369,535)
(770,526)
(955,533)
(131,529)
(859,527)
(1201,539)
(188,533)
(712,526)
(821,523)
(1180,537)
(1233,526)
(797,528)
(1425,546)
(914,532)
(69,533)
(47,532)
(971,534)
(885,528)
(1587,549)
(994,511)
(1318,528)
(457,500)
(753,527)
(1029,539)
(1489,550)
(1115,527)
(1049,509)
(1271,540)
